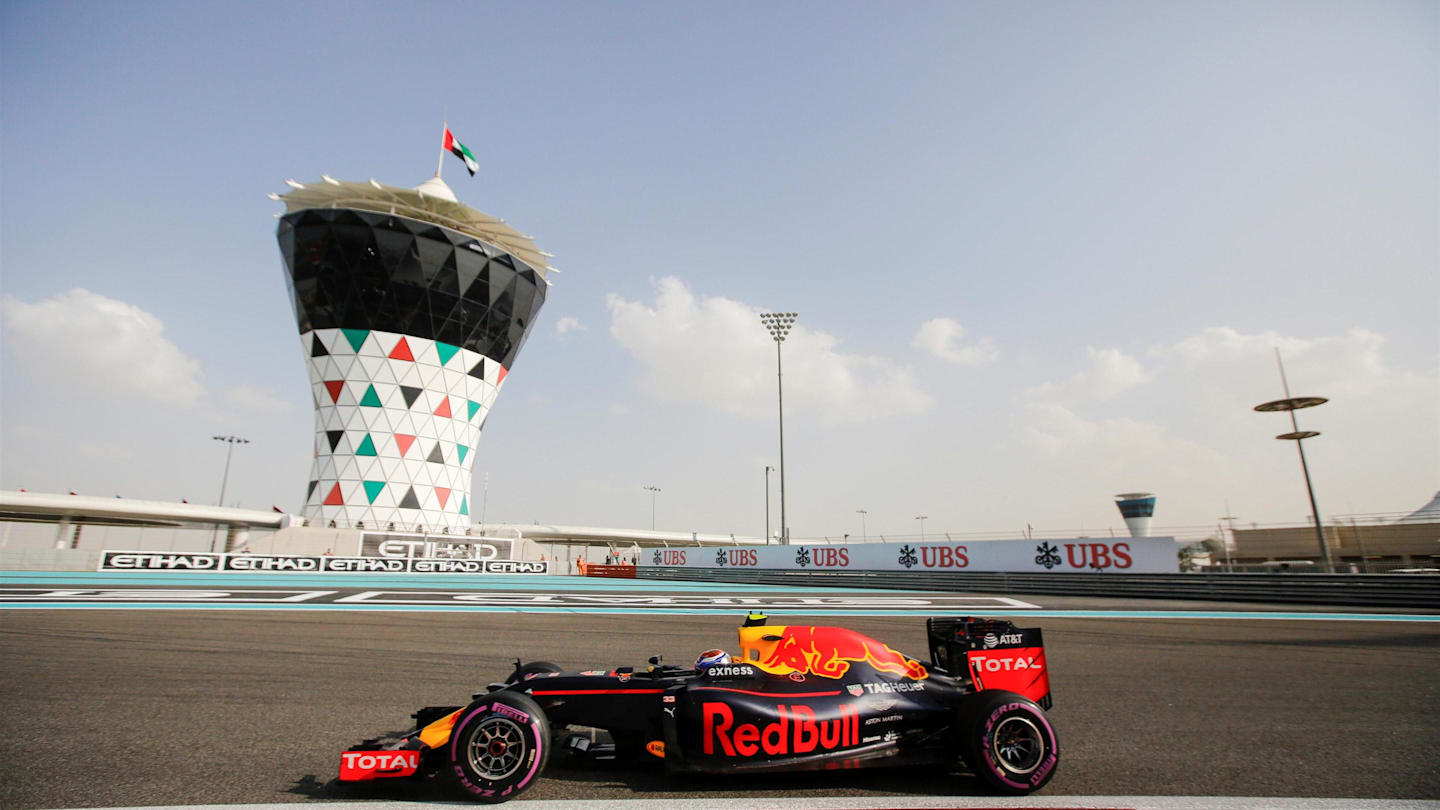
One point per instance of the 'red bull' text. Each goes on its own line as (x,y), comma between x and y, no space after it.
(795,732)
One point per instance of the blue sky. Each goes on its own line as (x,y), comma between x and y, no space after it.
(1041,253)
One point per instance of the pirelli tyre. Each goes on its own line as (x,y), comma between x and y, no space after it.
(1007,741)
(499,746)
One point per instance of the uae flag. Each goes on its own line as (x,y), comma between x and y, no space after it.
(459,150)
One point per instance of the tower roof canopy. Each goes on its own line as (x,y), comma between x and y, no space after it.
(1425,514)
(432,201)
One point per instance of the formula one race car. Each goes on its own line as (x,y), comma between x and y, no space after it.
(795,698)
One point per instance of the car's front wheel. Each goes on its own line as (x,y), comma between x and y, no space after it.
(1007,741)
(499,746)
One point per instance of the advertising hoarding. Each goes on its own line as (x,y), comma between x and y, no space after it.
(1131,555)
(211,562)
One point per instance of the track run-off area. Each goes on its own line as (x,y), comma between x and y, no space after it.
(165,689)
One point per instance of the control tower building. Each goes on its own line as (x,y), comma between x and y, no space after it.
(1137,508)
(412,308)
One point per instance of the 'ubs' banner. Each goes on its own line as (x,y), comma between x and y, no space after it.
(272,563)
(1134,555)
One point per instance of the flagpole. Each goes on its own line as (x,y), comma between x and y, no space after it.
(441,164)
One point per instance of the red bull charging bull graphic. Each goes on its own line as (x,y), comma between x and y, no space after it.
(827,652)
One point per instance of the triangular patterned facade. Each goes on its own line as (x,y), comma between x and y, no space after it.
(408,331)
(361,452)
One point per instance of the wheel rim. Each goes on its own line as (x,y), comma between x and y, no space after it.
(496,749)
(1017,745)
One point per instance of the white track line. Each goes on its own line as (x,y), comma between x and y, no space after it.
(877,803)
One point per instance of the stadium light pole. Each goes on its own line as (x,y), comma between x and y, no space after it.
(484,501)
(653,491)
(863,535)
(231,441)
(921,518)
(768,470)
(1229,519)
(779,324)
(1291,405)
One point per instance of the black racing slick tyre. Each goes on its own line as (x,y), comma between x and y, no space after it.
(499,746)
(528,671)
(1008,742)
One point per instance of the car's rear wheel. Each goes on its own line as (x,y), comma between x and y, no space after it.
(1008,742)
(499,746)
(528,671)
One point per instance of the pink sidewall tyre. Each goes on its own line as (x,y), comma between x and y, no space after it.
(499,746)
(1008,742)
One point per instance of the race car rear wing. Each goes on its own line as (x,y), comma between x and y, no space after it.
(991,654)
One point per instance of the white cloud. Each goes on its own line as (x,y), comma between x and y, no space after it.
(568,324)
(244,398)
(1341,366)
(1112,444)
(941,337)
(64,443)
(1191,431)
(1053,428)
(714,351)
(619,409)
(85,340)
(1111,372)
(1232,372)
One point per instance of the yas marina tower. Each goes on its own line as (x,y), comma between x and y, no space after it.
(412,308)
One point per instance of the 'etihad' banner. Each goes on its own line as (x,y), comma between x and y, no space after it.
(273,563)
(1134,555)
(377,544)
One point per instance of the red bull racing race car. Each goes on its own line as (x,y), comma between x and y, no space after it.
(795,698)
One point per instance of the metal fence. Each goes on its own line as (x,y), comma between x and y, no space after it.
(22,538)
(1342,566)
(1371,590)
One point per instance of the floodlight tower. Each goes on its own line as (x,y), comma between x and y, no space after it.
(779,323)
(224,479)
(653,490)
(412,308)
(1290,405)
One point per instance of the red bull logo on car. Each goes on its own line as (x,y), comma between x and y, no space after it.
(796,731)
(828,652)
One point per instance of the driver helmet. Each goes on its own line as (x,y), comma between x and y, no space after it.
(710,658)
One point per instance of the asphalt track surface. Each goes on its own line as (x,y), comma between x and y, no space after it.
(123,707)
